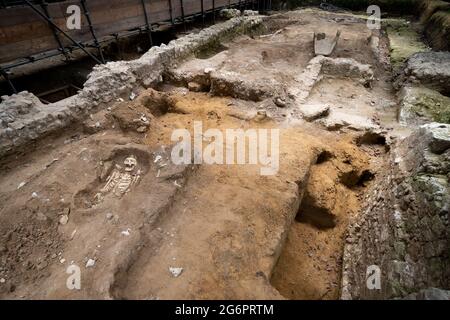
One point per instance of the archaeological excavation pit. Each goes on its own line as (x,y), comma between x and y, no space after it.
(225,152)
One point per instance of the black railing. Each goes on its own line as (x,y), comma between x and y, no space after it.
(15,3)
(39,8)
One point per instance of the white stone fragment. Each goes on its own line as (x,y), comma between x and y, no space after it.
(90,263)
(64,219)
(175,271)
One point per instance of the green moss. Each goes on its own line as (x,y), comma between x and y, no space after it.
(400,249)
(210,49)
(432,105)
(434,190)
(435,266)
(397,289)
(404,39)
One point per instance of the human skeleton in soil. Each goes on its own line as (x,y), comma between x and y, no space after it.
(121,180)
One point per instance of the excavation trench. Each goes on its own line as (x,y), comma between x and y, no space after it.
(314,233)
(310,263)
(213,231)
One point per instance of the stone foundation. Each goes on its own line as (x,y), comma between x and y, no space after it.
(404,228)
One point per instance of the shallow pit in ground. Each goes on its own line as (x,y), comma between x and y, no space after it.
(312,213)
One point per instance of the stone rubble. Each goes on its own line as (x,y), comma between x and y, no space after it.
(404,228)
(314,112)
(430,69)
(230,13)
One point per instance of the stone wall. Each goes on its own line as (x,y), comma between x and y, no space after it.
(24,119)
(424,87)
(429,69)
(404,228)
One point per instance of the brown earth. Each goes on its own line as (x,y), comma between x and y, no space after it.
(236,233)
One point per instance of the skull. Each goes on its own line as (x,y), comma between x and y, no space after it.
(130,163)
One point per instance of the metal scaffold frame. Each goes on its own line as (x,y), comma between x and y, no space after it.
(96,42)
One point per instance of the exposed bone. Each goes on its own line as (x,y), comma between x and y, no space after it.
(121,179)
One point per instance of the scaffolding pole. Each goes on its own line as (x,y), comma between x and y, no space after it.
(171,12)
(8,80)
(203,14)
(182,15)
(49,19)
(62,31)
(91,28)
(147,23)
